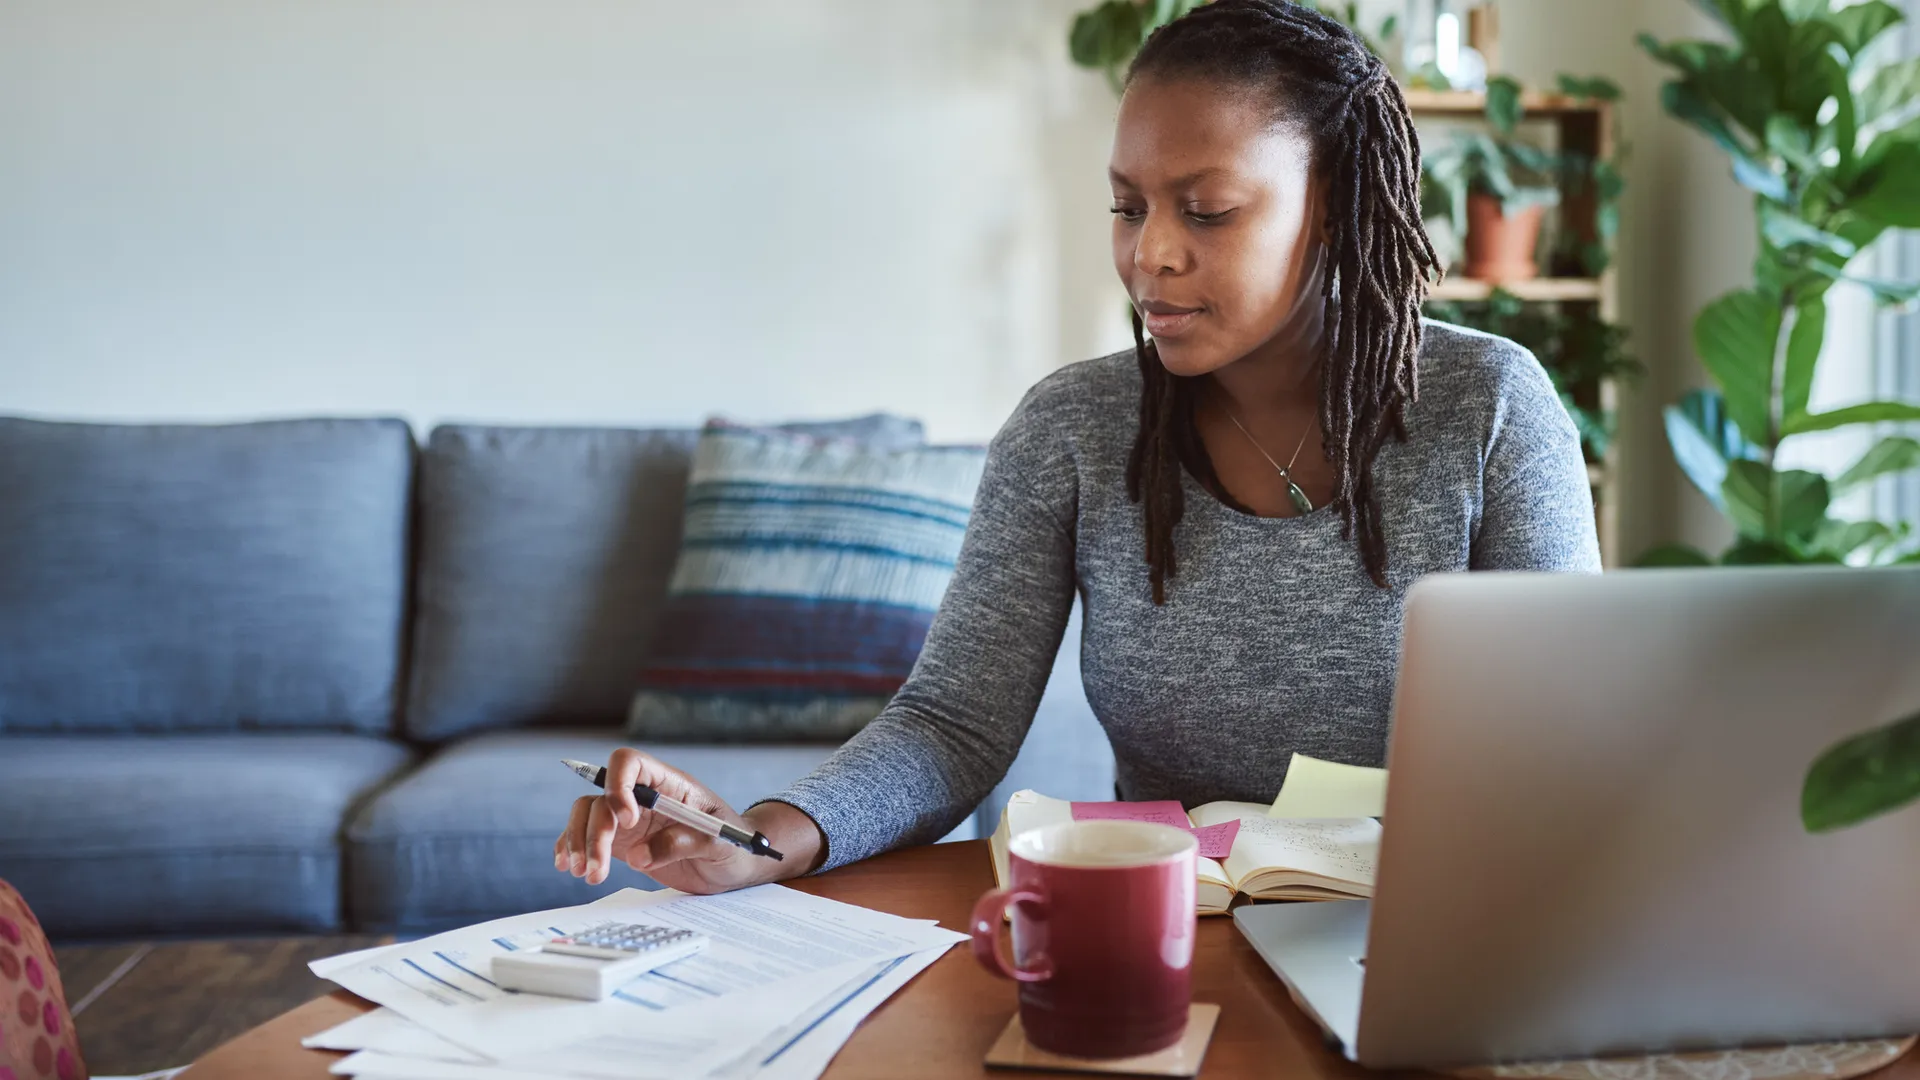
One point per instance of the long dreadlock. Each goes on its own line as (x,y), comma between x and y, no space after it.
(1379,261)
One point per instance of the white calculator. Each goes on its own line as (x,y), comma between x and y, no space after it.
(595,962)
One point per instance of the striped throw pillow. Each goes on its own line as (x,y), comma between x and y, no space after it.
(809,571)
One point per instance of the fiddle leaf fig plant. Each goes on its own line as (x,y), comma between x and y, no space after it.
(1825,135)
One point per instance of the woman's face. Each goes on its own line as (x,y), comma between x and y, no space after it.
(1216,225)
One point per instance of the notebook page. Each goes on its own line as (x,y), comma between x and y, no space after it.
(1343,849)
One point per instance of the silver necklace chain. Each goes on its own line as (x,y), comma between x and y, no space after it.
(1284,470)
(1295,493)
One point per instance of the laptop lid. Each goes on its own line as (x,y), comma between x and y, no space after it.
(1593,839)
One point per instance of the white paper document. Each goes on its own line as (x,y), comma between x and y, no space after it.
(774,954)
(799,1050)
(390,1033)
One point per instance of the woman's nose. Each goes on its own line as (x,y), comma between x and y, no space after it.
(1158,249)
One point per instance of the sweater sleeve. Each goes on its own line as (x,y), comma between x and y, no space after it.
(1536,504)
(954,728)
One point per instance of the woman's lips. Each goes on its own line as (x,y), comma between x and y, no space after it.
(1170,322)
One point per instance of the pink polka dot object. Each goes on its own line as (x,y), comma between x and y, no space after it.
(37,1040)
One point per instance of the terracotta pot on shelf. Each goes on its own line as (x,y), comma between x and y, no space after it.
(1500,245)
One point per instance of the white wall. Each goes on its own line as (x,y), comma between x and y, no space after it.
(567,211)
(631,211)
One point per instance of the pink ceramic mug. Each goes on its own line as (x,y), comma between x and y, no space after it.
(1103,931)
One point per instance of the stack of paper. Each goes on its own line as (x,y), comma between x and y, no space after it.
(783,983)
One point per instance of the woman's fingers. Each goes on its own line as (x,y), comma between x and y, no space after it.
(600,831)
(677,843)
(570,851)
(623,771)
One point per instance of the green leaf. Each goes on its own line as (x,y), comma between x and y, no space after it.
(1792,65)
(1859,24)
(1735,337)
(1673,555)
(1704,439)
(1846,129)
(1503,103)
(1747,495)
(1894,87)
(1842,538)
(1760,179)
(1790,141)
(1684,102)
(1750,492)
(1804,498)
(1783,230)
(1803,353)
(1107,36)
(1751,551)
(1862,777)
(1801,10)
(1890,190)
(1598,87)
(1895,453)
(1872,412)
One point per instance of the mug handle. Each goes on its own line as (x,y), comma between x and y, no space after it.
(988,914)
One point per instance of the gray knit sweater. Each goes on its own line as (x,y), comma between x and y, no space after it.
(1272,639)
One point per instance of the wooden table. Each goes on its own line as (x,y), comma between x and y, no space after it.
(941,1024)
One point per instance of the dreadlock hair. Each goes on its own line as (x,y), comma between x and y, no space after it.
(1322,80)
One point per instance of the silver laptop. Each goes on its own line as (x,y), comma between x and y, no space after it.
(1593,842)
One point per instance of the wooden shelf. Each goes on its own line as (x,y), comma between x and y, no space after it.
(1474,103)
(1533,289)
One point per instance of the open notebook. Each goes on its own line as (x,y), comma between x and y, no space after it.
(1265,858)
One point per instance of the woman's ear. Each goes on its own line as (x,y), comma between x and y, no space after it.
(1317,192)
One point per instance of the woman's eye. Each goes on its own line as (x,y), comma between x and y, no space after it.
(1129,214)
(1207,219)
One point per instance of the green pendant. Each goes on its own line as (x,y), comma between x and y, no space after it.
(1298,497)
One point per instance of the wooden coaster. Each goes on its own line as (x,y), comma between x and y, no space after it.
(1012,1051)
(1814,1061)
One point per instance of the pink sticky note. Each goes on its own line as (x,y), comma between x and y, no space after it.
(1164,812)
(1216,841)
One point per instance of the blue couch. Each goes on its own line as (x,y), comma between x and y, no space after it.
(304,675)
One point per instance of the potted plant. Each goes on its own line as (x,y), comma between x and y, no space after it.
(1826,136)
(1494,190)
(1105,37)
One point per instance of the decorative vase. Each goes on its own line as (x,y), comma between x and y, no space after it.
(1500,244)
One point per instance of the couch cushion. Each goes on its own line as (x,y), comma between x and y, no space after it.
(167,578)
(544,557)
(137,834)
(809,572)
(470,835)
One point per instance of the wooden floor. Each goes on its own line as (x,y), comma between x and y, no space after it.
(141,1007)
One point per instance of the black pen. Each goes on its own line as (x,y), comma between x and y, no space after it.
(686,815)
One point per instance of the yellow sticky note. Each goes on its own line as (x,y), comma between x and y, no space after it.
(1327,789)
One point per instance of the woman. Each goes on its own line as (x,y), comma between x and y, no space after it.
(1290,451)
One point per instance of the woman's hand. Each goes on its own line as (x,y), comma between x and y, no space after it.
(612,826)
